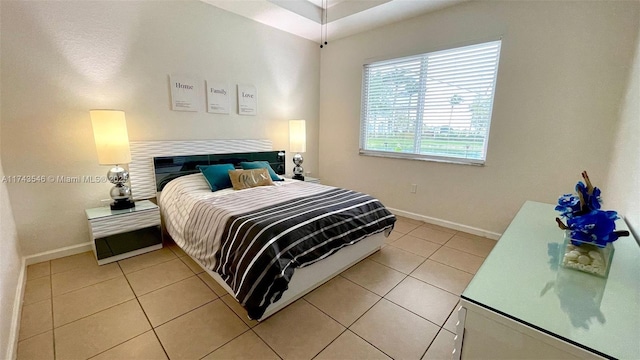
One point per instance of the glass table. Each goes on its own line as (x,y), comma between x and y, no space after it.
(522,288)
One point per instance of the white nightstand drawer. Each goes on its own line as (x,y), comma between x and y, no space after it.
(117,224)
(119,234)
(308,179)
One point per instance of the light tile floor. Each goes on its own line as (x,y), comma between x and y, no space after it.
(398,303)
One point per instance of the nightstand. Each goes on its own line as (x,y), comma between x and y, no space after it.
(119,234)
(309,179)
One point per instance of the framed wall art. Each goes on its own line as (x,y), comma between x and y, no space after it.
(217,97)
(184,93)
(247,100)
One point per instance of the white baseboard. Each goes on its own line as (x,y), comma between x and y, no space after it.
(12,345)
(57,253)
(447,224)
(12,350)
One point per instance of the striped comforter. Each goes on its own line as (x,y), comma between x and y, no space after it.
(255,238)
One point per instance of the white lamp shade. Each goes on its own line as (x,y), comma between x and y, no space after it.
(110,134)
(297,136)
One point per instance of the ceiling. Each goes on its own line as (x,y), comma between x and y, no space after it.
(343,17)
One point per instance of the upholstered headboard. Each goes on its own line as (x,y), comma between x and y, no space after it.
(141,168)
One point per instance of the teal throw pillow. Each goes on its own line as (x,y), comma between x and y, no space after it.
(217,176)
(261,165)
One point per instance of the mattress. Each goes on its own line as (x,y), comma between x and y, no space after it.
(255,238)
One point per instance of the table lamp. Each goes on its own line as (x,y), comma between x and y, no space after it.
(297,144)
(112,145)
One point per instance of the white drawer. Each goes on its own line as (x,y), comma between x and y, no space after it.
(117,224)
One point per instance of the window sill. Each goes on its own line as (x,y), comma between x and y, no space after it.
(421,158)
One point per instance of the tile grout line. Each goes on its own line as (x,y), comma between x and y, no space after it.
(94,313)
(82,287)
(73,269)
(110,307)
(162,287)
(166,286)
(235,313)
(353,282)
(374,304)
(219,296)
(230,340)
(471,239)
(402,272)
(266,343)
(420,316)
(429,258)
(346,328)
(229,307)
(409,251)
(453,267)
(207,285)
(365,340)
(330,342)
(431,343)
(39,301)
(115,346)
(169,284)
(40,333)
(443,289)
(170,320)
(440,327)
(468,252)
(451,313)
(147,267)
(145,315)
(250,328)
(195,308)
(406,275)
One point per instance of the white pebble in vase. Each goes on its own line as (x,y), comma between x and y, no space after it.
(584,260)
(595,255)
(572,255)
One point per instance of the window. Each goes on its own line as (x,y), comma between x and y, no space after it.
(434,106)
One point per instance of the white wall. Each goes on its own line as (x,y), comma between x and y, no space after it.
(10,259)
(60,59)
(563,69)
(10,266)
(622,190)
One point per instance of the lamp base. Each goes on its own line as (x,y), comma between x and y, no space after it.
(121,204)
(120,193)
(298,170)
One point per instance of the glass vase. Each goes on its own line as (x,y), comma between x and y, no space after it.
(586,256)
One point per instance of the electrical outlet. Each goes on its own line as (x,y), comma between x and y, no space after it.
(414,188)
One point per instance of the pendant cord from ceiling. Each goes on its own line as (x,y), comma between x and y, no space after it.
(323,23)
(326,21)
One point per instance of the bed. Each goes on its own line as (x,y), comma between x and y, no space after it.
(267,245)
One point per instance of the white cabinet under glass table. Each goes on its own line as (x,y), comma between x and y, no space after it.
(522,305)
(119,234)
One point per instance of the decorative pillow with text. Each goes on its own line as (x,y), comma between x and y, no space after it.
(244,179)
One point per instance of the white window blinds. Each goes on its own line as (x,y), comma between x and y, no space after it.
(430,106)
